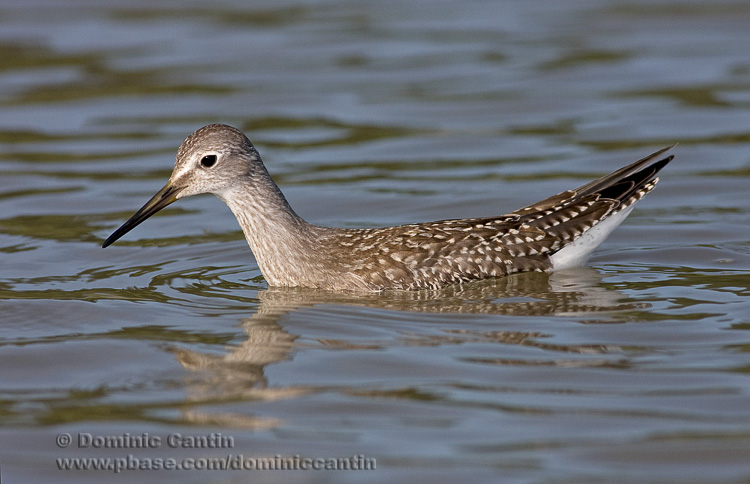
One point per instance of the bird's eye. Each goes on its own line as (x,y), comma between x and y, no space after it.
(208,161)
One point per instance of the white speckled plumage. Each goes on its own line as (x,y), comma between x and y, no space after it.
(558,232)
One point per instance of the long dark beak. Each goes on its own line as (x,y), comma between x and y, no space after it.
(163,197)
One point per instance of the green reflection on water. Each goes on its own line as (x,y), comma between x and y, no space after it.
(73,409)
(694,95)
(348,133)
(64,228)
(248,16)
(94,77)
(577,58)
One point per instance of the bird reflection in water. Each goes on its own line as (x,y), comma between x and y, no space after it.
(239,373)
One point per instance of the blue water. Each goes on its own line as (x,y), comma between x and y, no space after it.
(633,369)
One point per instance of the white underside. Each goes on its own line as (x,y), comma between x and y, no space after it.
(577,253)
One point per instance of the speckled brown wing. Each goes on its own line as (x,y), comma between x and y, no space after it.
(430,255)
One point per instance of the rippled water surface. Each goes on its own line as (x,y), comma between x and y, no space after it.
(633,369)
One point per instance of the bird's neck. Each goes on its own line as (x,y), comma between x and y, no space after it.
(277,236)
